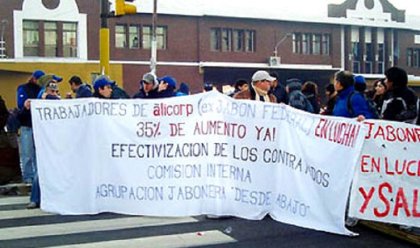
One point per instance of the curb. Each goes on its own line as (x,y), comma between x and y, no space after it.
(21,189)
(393,230)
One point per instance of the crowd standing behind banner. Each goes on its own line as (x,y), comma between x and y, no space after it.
(346,98)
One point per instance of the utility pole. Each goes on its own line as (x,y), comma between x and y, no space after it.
(104,39)
(153,56)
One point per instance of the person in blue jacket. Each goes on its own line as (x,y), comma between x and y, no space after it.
(79,88)
(349,103)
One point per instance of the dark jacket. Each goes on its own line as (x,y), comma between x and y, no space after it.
(150,95)
(314,102)
(280,93)
(400,105)
(118,93)
(358,103)
(297,99)
(24,92)
(83,91)
(4,114)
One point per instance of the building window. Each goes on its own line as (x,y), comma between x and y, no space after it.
(133,37)
(161,37)
(226,40)
(311,43)
(326,41)
(238,40)
(316,44)
(409,57)
(416,58)
(161,33)
(297,43)
(70,40)
(57,39)
(120,36)
(249,41)
(50,39)
(215,35)
(146,37)
(30,38)
(305,44)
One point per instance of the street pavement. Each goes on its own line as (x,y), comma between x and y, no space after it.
(20,228)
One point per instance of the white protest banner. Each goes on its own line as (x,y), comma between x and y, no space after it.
(192,155)
(386,187)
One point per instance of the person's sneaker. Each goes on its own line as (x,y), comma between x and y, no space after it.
(32,205)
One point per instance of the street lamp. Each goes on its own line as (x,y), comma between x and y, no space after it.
(287,35)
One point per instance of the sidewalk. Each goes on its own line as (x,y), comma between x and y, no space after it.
(12,189)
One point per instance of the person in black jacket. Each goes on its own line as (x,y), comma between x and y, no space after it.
(4,114)
(400,102)
(310,90)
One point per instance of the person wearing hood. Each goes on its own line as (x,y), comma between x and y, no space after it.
(296,98)
(259,88)
(149,86)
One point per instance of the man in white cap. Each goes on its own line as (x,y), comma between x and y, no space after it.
(259,88)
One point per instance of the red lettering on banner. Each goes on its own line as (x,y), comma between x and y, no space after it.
(384,200)
(401,202)
(366,198)
(370,164)
(341,133)
(370,128)
(415,203)
(384,206)
(387,171)
(392,134)
(364,163)
(162,109)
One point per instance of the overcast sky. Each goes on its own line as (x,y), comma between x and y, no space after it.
(305,7)
(412,7)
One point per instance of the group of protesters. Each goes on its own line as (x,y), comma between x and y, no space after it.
(390,99)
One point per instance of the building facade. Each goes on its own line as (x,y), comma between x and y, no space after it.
(197,45)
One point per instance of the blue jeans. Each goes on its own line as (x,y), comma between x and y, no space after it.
(27,154)
(35,191)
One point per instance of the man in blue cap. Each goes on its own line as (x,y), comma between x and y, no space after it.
(25,92)
(103,87)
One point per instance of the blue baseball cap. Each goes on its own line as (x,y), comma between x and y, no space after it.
(57,78)
(102,81)
(37,74)
(169,80)
(359,79)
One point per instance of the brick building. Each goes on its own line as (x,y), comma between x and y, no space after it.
(200,42)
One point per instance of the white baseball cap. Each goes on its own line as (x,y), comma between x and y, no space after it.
(261,76)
